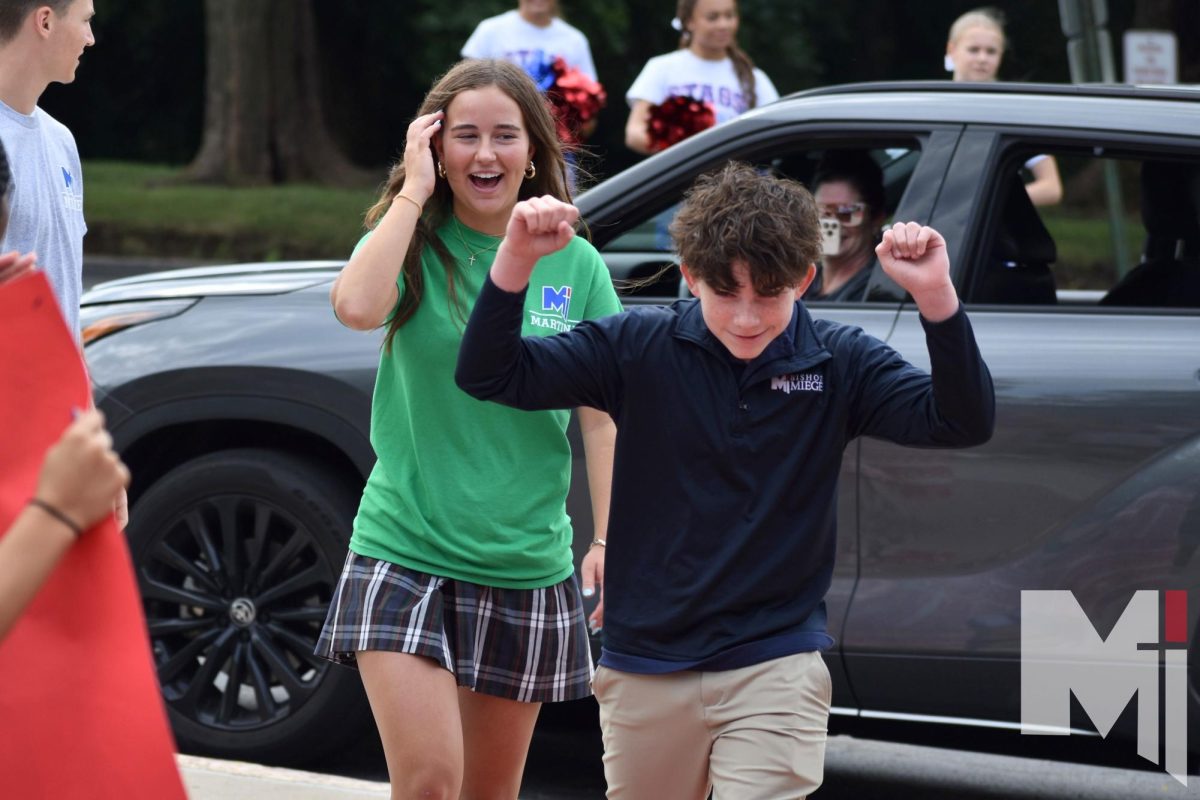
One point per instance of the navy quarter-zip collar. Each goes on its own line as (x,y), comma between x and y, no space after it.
(794,350)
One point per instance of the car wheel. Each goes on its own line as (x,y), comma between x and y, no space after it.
(237,555)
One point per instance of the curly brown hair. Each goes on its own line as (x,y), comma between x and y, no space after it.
(737,213)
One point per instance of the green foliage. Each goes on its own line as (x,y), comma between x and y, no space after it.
(135,209)
(1085,248)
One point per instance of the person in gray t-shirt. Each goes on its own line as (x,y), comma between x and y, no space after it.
(41,42)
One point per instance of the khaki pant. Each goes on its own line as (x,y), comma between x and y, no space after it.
(756,733)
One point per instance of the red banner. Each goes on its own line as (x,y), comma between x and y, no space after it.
(80,709)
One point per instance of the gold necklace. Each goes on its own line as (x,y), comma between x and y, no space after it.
(471,255)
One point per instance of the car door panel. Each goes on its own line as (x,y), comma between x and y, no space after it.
(1091,484)
(1094,468)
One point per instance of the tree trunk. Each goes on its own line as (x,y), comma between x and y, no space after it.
(263,115)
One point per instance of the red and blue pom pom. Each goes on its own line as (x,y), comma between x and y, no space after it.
(574,98)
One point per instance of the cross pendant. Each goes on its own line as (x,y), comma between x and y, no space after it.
(471,261)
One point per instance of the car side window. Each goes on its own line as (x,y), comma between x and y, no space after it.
(1126,233)
(643,256)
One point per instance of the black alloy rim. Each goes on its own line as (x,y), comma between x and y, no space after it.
(235,591)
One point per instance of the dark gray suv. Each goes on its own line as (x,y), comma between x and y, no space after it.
(242,408)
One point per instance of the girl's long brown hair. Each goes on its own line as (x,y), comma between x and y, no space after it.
(551,177)
(743,67)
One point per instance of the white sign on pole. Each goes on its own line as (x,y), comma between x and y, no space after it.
(1151,57)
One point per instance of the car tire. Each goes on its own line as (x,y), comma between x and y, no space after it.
(237,555)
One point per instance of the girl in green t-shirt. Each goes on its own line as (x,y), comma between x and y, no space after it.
(458,601)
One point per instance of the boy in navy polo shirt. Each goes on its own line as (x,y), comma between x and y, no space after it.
(732,414)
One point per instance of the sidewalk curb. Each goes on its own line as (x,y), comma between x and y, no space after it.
(213,779)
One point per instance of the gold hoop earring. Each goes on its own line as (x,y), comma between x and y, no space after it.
(530,171)
(441,169)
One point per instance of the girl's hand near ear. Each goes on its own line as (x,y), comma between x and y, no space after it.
(420,171)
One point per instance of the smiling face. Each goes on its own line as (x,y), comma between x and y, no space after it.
(70,34)
(977,53)
(485,149)
(742,319)
(713,25)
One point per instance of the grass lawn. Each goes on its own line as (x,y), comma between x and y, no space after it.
(135,210)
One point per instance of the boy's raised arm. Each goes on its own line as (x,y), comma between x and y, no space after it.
(960,410)
(494,362)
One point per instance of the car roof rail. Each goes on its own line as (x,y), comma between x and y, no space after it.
(1124,90)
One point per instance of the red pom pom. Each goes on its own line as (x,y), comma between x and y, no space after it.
(677,118)
(575,99)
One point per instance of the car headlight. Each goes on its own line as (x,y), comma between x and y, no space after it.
(98,321)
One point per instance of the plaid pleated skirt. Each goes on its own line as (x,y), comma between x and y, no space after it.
(529,645)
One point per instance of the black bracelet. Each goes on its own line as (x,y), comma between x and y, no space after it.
(58,515)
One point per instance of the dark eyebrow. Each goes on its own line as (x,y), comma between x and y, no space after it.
(472,126)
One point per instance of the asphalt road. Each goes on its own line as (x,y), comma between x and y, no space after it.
(564,764)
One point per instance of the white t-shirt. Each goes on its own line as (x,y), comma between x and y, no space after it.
(509,37)
(47,202)
(685,73)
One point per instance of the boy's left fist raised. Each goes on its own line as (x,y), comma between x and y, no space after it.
(915,257)
(537,227)
(540,226)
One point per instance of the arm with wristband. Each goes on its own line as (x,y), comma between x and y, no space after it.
(80,480)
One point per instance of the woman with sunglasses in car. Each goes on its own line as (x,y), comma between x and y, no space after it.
(848,188)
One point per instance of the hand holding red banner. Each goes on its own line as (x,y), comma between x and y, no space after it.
(80,710)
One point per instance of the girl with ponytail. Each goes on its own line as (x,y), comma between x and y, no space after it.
(708,67)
